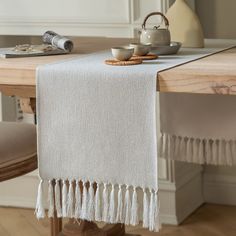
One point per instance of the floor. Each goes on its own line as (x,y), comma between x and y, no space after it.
(209,220)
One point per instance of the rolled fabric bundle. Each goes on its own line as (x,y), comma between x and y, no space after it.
(58,41)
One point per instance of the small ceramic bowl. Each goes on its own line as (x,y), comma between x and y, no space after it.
(122,53)
(141,49)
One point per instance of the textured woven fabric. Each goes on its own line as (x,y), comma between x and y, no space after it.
(97,124)
(199,129)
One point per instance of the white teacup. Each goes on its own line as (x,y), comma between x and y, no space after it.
(141,49)
(122,53)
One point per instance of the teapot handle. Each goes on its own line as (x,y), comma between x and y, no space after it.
(155,13)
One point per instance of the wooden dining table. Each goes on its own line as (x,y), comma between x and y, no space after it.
(215,74)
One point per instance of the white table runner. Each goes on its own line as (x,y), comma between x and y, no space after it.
(97,124)
(198,128)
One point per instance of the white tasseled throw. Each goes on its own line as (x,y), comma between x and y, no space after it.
(97,133)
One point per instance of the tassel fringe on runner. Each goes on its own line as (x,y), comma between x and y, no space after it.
(100,202)
(195,150)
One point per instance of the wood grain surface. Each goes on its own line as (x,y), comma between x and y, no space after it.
(19,168)
(209,220)
(215,74)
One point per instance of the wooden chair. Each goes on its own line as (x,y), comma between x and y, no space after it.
(18,149)
(18,155)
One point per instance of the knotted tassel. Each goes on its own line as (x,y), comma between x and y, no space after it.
(157,225)
(58,199)
(39,210)
(166,146)
(77,201)
(182,149)
(229,157)
(127,206)
(70,207)
(145,209)
(91,212)
(84,202)
(134,209)
(98,204)
(221,152)
(50,199)
(208,151)
(64,199)
(112,206)
(161,146)
(105,204)
(172,146)
(214,152)
(189,149)
(119,214)
(201,152)
(177,147)
(151,212)
(195,150)
(233,149)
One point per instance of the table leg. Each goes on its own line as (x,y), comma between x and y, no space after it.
(55,222)
(86,228)
(28,105)
(56,226)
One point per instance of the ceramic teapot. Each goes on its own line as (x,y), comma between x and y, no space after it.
(156,36)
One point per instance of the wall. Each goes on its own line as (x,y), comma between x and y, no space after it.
(76,17)
(220,185)
(114,18)
(218,18)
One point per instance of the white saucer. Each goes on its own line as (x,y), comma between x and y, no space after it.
(173,48)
